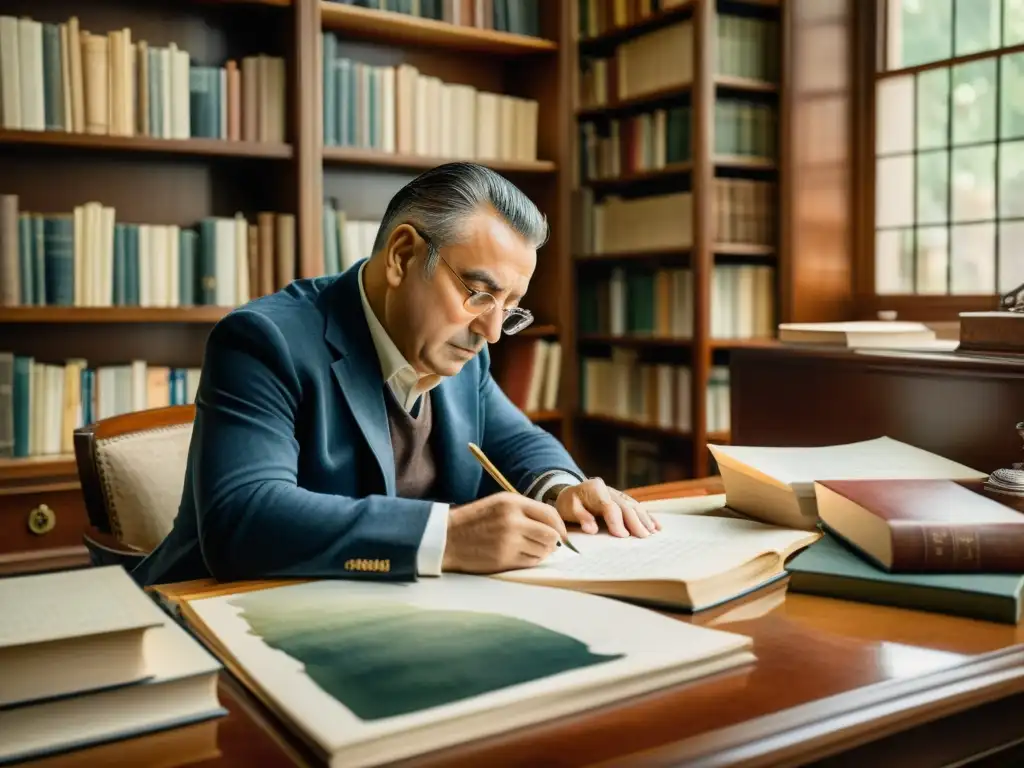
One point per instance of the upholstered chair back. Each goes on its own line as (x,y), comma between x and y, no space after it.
(132,468)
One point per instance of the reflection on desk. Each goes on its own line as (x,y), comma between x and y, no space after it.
(877,685)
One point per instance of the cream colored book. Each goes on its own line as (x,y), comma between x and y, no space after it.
(858,333)
(695,562)
(71,631)
(371,672)
(179,686)
(776,484)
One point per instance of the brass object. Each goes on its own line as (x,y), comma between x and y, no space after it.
(1007,485)
(368,564)
(41,520)
(1013,302)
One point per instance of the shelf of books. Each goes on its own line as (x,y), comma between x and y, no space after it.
(506,28)
(675,238)
(145,158)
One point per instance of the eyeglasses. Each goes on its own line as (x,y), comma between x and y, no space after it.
(480,303)
(513,320)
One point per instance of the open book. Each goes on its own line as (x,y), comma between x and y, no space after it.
(370,672)
(776,484)
(694,562)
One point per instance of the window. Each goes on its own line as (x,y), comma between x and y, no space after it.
(949,148)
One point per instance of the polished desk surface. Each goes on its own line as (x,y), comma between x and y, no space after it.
(885,669)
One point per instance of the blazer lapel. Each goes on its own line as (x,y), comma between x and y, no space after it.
(357,370)
(456,427)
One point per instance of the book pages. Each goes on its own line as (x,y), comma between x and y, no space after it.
(370,672)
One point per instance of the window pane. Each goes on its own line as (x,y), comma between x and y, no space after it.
(1011,96)
(1011,179)
(977,26)
(973,269)
(933,109)
(974,187)
(894,196)
(894,115)
(933,187)
(1011,255)
(918,31)
(974,101)
(932,259)
(1013,23)
(894,261)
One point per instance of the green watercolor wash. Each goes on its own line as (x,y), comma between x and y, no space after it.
(385,658)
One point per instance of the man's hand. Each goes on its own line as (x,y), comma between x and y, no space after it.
(501,532)
(592,499)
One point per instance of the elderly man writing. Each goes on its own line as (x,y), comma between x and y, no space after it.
(333,417)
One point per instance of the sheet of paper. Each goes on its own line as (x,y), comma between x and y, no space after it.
(687,505)
(687,547)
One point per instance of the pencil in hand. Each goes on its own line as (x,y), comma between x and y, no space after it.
(505,484)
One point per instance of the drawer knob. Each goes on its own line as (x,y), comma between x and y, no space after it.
(41,520)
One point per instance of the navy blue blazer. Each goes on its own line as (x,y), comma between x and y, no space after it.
(290,471)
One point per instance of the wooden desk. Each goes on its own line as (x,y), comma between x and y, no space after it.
(835,683)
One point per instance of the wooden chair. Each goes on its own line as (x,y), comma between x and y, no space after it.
(132,468)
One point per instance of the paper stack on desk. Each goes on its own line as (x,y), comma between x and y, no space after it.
(86,657)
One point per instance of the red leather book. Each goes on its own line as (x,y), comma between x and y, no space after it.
(923,526)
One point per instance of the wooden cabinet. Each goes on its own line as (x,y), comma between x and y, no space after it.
(963,408)
(42,516)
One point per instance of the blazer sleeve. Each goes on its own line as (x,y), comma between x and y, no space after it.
(524,452)
(254,520)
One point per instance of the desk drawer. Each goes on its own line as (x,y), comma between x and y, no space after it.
(45,519)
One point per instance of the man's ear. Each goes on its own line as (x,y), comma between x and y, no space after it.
(399,254)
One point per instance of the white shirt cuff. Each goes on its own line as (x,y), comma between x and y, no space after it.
(430,555)
(556,478)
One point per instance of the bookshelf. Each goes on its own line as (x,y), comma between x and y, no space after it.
(311,171)
(676,213)
(119,176)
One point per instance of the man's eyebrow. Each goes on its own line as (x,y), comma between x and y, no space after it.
(480,276)
(484,278)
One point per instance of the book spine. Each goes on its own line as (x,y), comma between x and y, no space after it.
(937,548)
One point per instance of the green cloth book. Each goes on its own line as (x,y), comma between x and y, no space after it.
(831,569)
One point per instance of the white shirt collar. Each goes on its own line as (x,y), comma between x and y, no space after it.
(403,379)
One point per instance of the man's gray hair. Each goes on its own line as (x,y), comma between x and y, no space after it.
(438,201)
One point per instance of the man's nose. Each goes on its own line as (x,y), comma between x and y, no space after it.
(488,325)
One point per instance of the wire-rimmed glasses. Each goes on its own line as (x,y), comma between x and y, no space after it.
(513,320)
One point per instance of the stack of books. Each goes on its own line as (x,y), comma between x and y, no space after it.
(900,526)
(86,658)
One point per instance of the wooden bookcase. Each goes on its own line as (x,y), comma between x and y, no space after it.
(654,160)
(180,181)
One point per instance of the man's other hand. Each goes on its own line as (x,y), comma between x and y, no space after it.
(592,500)
(501,532)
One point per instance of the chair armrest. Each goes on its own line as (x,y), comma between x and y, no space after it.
(105,550)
